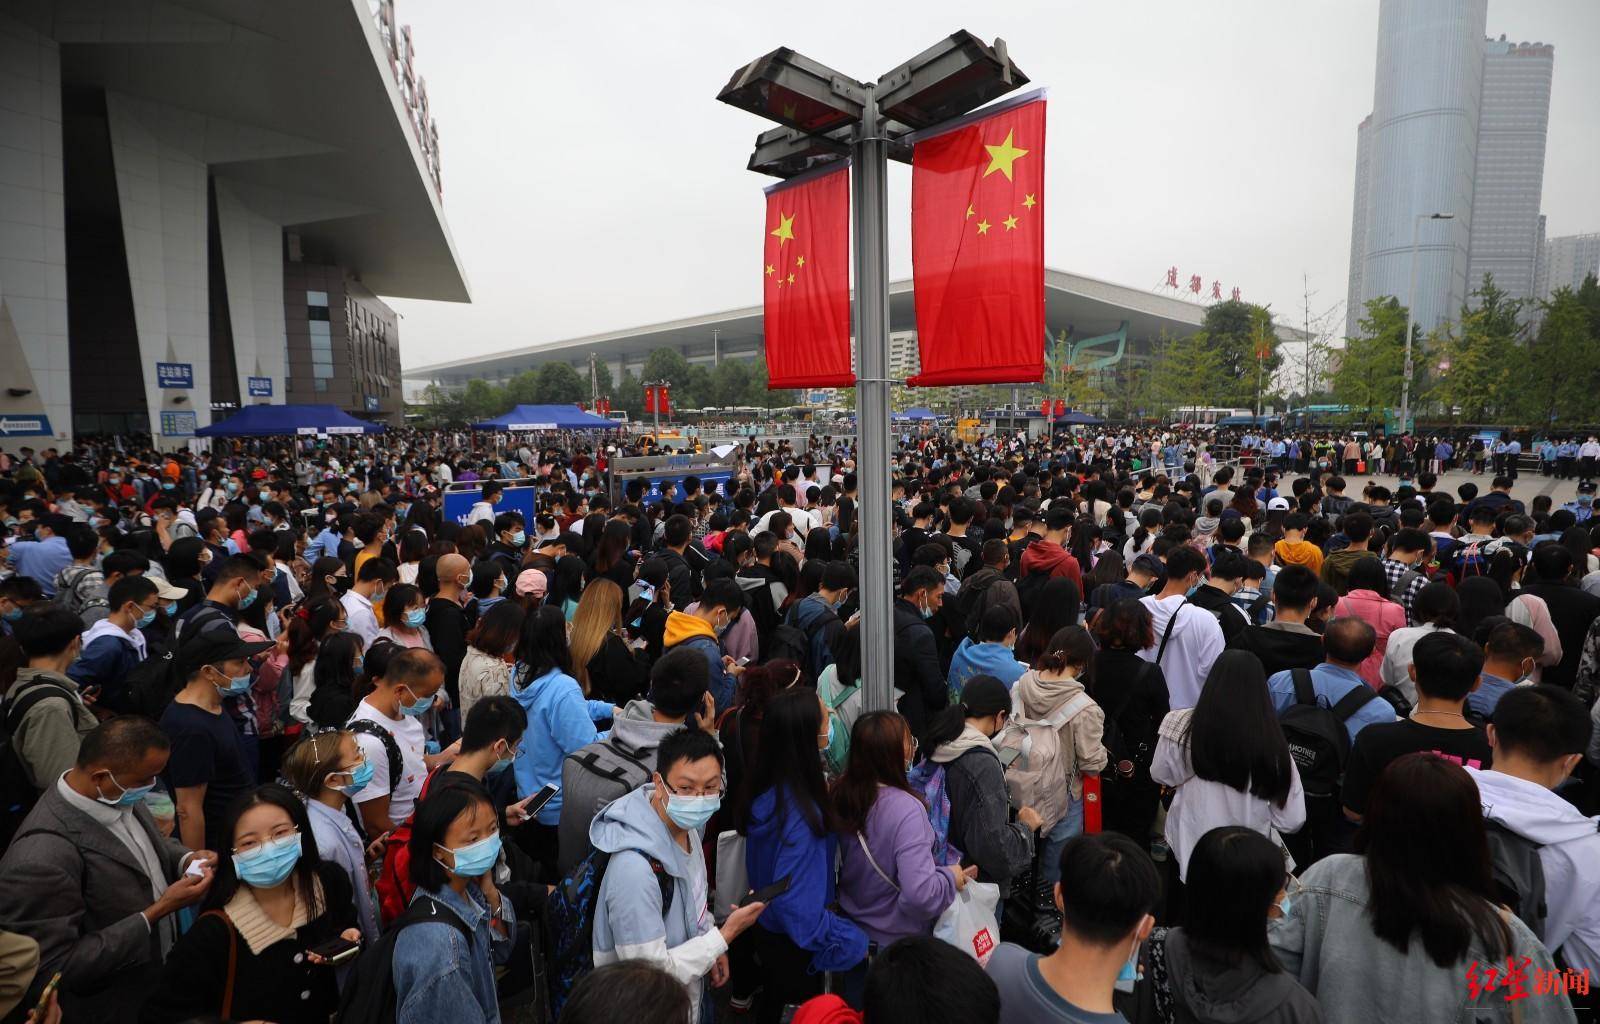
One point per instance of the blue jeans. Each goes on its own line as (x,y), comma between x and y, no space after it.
(1050,849)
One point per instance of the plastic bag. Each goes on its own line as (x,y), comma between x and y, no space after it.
(733,879)
(969,923)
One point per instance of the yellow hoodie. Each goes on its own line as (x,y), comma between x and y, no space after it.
(1300,552)
(681,627)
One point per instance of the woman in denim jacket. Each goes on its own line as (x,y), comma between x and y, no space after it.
(1407,928)
(439,974)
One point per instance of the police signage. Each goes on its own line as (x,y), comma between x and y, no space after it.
(175,375)
(260,387)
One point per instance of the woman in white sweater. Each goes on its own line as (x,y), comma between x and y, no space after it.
(1228,760)
(485,671)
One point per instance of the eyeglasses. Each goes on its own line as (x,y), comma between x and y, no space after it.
(252,843)
(720,786)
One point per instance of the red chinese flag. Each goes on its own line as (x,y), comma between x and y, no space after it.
(977,249)
(1061,408)
(650,399)
(805,281)
(1044,407)
(664,400)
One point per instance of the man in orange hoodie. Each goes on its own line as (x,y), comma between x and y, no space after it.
(1294,549)
(702,631)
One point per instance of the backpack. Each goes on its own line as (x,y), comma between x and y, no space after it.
(928,780)
(1036,776)
(818,655)
(591,777)
(1517,874)
(153,683)
(788,643)
(1318,740)
(369,996)
(391,749)
(72,589)
(394,879)
(1469,559)
(17,794)
(1029,586)
(845,701)
(1118,747)
(970,604)
(570,911)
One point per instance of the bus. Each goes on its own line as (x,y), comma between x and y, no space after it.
(1203,416)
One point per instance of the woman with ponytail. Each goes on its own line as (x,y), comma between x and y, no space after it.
(311,624)
(960,742)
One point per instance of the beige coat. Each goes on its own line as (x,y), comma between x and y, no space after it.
(1081,735)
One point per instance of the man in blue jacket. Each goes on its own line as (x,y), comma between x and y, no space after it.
(701,631)
(817,615)
(991,653)
(44,557)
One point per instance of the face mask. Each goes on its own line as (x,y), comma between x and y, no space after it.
(418,709)
(518,539)
(1285,904)
(269,863)
(501,764)
(1128,975)
(359,777)
(351,486)
(169,486)
(247,600)
(144,620)
(692,812)
(927,612)
(233,488)
(172,608)
(416,617)
(829,742)
(341,583)
(11,614)
(462,581)
(114,480)
(236,685)
(1191,590)
(475,859)
(129,796)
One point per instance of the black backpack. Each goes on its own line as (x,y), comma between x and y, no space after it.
(153,683)
(391,749)
(570,911)
(1318,740)
(1029,586)
(1517,874)
(970,602)
(788,643)
(370,997)
(17,794)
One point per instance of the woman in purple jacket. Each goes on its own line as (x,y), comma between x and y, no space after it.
(888,882)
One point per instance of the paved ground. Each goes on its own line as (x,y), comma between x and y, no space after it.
(1528,486)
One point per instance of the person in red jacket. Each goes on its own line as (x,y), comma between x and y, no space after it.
(1049,553)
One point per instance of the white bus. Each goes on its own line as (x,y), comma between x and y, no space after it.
(1203,416)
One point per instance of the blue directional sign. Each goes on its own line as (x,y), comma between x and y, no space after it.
(175,375)
(260,387)
(25,426)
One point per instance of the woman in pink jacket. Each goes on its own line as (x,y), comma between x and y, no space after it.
(1368,600)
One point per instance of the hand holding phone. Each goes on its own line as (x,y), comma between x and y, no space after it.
(335,951)
(524,810)
(767,893)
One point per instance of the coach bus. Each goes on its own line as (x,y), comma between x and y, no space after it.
(1203,416)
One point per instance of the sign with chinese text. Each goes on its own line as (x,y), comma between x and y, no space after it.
(260,387)
(175,375)
(177,424)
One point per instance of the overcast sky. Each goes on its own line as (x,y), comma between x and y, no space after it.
(593,183)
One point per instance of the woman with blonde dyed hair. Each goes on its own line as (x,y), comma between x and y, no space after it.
(605,664)
(327,769)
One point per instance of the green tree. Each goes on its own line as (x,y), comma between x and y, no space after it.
(1477,354)
(665,364)
(759,395)
(1560,369)
(730,383)
(442,408)
(482,399)
(1184,371)
(559,384)
(695,391)
(523,389)
(628,396)
(1234,331)
(1371,366)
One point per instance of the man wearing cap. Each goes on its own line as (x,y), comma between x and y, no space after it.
(43,558)
(209,766)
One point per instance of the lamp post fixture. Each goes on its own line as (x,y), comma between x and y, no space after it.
(825,116)
(1411,309)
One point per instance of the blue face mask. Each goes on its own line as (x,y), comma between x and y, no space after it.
(236,685)
(359,777)
(518,539)
(473,860)
(692,812)
(129,796)
(233,488)
(169,486)
(11,614)
(1285,904)
(418,709)
(172,608)
(144,620)
(416,617)
(248,600)
(269,863)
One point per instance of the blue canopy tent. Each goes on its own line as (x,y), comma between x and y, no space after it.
(546,417)
(1077,418)
(279,420)
(915,413)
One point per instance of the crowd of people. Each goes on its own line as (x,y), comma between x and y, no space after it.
(1175,738)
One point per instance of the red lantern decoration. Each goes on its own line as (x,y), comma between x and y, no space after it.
(1044,407)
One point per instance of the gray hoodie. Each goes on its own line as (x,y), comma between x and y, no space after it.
(1208,991)
(600,772)
(629,921)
